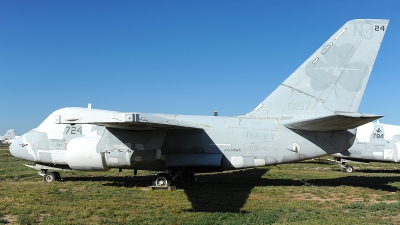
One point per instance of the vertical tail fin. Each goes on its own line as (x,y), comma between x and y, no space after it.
(378,133)
(332,79)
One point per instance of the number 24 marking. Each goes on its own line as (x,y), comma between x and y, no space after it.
(378,28)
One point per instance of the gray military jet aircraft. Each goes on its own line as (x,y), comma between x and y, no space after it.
(8,138)
(312,113)
(375,142)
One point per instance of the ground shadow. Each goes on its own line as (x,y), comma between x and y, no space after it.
(223,192)
(229,191)
(217,192)
(377,171)
(376,183)
(126,181)
(316,161)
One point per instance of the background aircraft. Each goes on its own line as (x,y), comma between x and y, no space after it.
(375,142)
(312,113)
(8,138)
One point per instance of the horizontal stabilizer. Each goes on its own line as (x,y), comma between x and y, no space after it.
(338,121)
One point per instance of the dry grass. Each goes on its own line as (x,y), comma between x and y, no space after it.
(300,193)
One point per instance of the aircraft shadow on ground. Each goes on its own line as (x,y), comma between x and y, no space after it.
(217,192)
(323,162)
(223,192)
(376,183)
(376,171)
(229,191)
(127,181)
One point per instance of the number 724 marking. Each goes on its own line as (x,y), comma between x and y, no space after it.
(73,130)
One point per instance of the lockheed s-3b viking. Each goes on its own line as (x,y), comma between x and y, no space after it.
(314,112)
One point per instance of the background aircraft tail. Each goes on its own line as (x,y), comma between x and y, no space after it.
(9,134)
(333,79)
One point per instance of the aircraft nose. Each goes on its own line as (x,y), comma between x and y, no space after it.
(19,149)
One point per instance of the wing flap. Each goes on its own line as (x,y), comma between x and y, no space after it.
(338,121)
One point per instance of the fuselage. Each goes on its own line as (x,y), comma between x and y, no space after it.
(220,143)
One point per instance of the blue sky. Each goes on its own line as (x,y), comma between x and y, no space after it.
(181,57)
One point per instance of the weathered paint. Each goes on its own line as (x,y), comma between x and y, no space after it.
(295,122)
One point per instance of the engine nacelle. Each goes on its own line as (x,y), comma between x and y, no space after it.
(82,154)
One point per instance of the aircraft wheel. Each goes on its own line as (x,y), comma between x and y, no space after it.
(162,180)
(58,176)
(349,169)
(49,177)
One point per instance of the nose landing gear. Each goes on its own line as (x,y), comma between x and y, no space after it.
(346,168)
(349,169)
(49,177)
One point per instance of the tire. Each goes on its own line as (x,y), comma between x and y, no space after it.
(162,180)
(349,169)
(49,177)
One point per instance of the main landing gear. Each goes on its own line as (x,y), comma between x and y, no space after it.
(49,177)
(164,180)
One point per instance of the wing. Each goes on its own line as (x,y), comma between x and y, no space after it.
(128,121)
(338,121)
